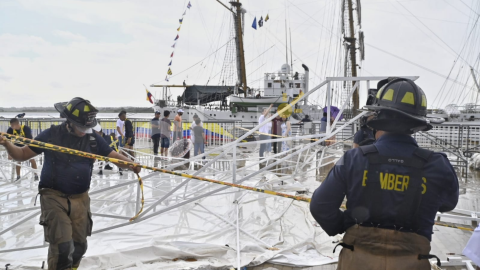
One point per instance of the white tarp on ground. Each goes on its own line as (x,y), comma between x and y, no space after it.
(186,237)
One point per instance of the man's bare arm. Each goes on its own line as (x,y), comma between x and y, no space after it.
(17,153)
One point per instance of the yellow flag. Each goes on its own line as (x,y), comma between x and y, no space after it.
(169,72)
(266,18)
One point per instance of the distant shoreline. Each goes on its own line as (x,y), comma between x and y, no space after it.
(101,109)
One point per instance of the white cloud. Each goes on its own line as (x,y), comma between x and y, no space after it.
(69,35)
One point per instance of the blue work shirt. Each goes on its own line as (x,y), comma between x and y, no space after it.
(347,176)
(363,134)
(70,177)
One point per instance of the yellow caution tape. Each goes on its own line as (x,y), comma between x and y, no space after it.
(140,182)
(453,226)
(70,151)
(66,150)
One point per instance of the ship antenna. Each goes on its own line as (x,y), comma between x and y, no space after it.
(291,54)
(286,35)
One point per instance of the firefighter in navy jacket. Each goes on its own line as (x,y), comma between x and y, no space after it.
(393,188)
(65,181)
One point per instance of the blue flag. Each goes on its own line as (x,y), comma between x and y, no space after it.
(170,63)
(189,5)
(260,22)
(254,24)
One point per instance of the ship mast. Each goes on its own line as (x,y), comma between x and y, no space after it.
(349,22)
(353,55)
(242,76)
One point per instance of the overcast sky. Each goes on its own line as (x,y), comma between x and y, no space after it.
(105,50)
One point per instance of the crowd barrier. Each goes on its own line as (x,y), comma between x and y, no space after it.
(217,132)
(464,137)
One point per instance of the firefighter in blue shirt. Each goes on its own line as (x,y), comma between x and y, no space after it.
(65,181)
(393,188)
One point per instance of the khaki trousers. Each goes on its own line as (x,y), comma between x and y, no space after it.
(382,249)
(67,222)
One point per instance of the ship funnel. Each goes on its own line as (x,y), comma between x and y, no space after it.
(306,82)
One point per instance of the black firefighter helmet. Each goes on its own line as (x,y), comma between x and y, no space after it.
(400,106)
(78,111)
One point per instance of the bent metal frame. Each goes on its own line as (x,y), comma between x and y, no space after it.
(309,151)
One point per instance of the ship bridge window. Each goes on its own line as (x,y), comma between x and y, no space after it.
(297,85)
(291,85)
(269,85)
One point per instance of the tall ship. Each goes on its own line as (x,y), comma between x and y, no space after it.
(235,99)
(238,101)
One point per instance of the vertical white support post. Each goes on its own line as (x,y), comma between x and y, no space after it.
(238,237)
(329,101)
(234,164)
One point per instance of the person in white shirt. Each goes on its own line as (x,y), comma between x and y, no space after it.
(192,134)
(269,126)
(265,130)
(120,131)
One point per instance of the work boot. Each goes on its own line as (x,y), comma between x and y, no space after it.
(18,177)
(108,167)
(35,178)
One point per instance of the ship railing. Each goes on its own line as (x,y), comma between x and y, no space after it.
(288,76)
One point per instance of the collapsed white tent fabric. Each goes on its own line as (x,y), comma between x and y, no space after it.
(196,235)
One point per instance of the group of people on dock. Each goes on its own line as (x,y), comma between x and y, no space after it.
(162,133)
(279,127)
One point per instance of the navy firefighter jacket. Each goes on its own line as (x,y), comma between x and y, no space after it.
(67,173)
(348,178)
